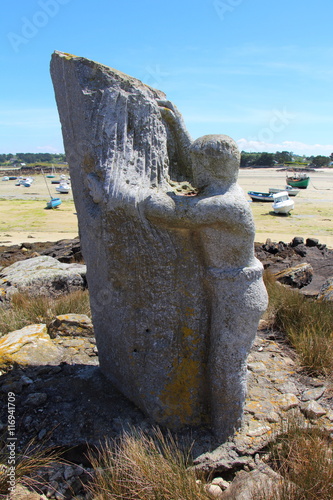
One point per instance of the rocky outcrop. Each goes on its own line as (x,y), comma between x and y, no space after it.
(29,346)
(68,251)
(71,325)
(167,270)
(278,257)
(42,275)
(297,276)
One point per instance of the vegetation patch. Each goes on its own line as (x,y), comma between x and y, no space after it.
(304,458)
(306,323)
(25,310)
(143,467)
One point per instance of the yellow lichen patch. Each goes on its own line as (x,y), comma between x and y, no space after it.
(186,331)
(13,341)
(189,311)
(30,345)
(177,396)
(68,56)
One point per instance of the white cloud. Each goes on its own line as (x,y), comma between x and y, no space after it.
(294,146)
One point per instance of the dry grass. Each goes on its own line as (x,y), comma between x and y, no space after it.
(307,324)
(25,310)
(141,467)
(304,458)
(27,466)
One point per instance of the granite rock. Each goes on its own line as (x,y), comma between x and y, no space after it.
(166,269)
(42,275)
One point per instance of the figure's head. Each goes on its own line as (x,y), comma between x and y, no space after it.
(216,159)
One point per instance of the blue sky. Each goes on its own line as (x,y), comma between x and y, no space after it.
(260,71)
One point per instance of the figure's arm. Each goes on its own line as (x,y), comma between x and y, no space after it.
(165,209)
(230,211)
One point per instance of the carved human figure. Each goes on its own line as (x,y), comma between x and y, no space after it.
(221,217)
(176,292)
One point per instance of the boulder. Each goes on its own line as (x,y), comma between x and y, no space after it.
(311,242)
(254,484)
(297,240)
(71,325)
(313,410)
(297,276)
(29,346)
(42,275)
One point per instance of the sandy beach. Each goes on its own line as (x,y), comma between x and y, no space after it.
(23,216)
(313,212)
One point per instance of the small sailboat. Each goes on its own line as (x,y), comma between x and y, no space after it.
(54,202)
(52,174)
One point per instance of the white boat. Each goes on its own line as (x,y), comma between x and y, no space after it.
(64,187)
(5,178)
(290,190)
(24,181)
(259,196)
(282,203)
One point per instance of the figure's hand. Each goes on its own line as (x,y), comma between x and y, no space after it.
(158,206)
(167,110)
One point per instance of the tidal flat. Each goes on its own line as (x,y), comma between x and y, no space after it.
(23,215)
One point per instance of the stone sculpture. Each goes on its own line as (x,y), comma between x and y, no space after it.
(167,236)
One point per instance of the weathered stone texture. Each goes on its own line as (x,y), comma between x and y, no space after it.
(176,292)
(42,275)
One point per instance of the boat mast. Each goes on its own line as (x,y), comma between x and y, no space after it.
(46,184)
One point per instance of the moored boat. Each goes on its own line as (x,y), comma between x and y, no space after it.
(53,203)
(258,196)
(282,203)
(24,181)
(298,180)
(290,190)
(52,174)
(64,187)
